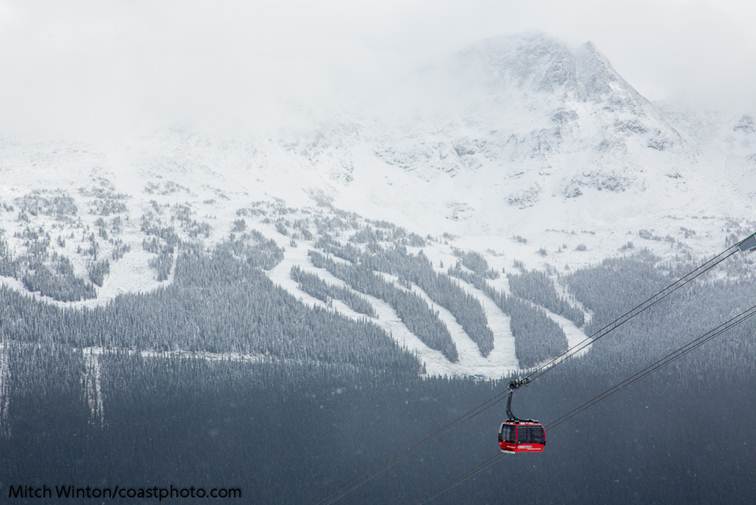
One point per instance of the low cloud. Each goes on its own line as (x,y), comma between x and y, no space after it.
(108,67)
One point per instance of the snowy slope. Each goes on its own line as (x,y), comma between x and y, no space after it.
(520,147)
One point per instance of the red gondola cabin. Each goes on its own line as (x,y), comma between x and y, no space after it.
(521,436)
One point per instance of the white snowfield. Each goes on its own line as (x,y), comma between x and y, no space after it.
(520,148)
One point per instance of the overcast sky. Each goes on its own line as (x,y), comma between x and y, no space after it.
(92,65)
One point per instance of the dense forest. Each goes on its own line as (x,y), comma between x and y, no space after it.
(414,312)
(315,286)
(537,337)
(537,287)
(417,269)
(257,425)
(217,303)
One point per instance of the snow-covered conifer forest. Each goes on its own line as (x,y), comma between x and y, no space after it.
(284,309)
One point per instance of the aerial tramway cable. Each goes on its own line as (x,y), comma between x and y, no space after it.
(748,243)
(630,314)
(665,360)
(653,367)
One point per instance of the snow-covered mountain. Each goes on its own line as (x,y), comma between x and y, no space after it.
(516,135)
(519,148)
(530,99)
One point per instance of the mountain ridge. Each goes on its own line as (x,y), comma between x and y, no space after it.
(546,134)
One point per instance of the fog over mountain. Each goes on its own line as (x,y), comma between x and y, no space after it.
(512,135)
(522,149)
(100,69)
(245,241)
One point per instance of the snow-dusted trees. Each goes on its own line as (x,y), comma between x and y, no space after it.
(412,310)
(418,270)
(537,337)
(539,288)
(58,282)
(477,264)
(253,248)
(162,263)
(220,416)
(98,270)
(217,303)
(41,271)
(7,265)
(631,279)
(161,241)
(57,204)
(383,231)
(315,286)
